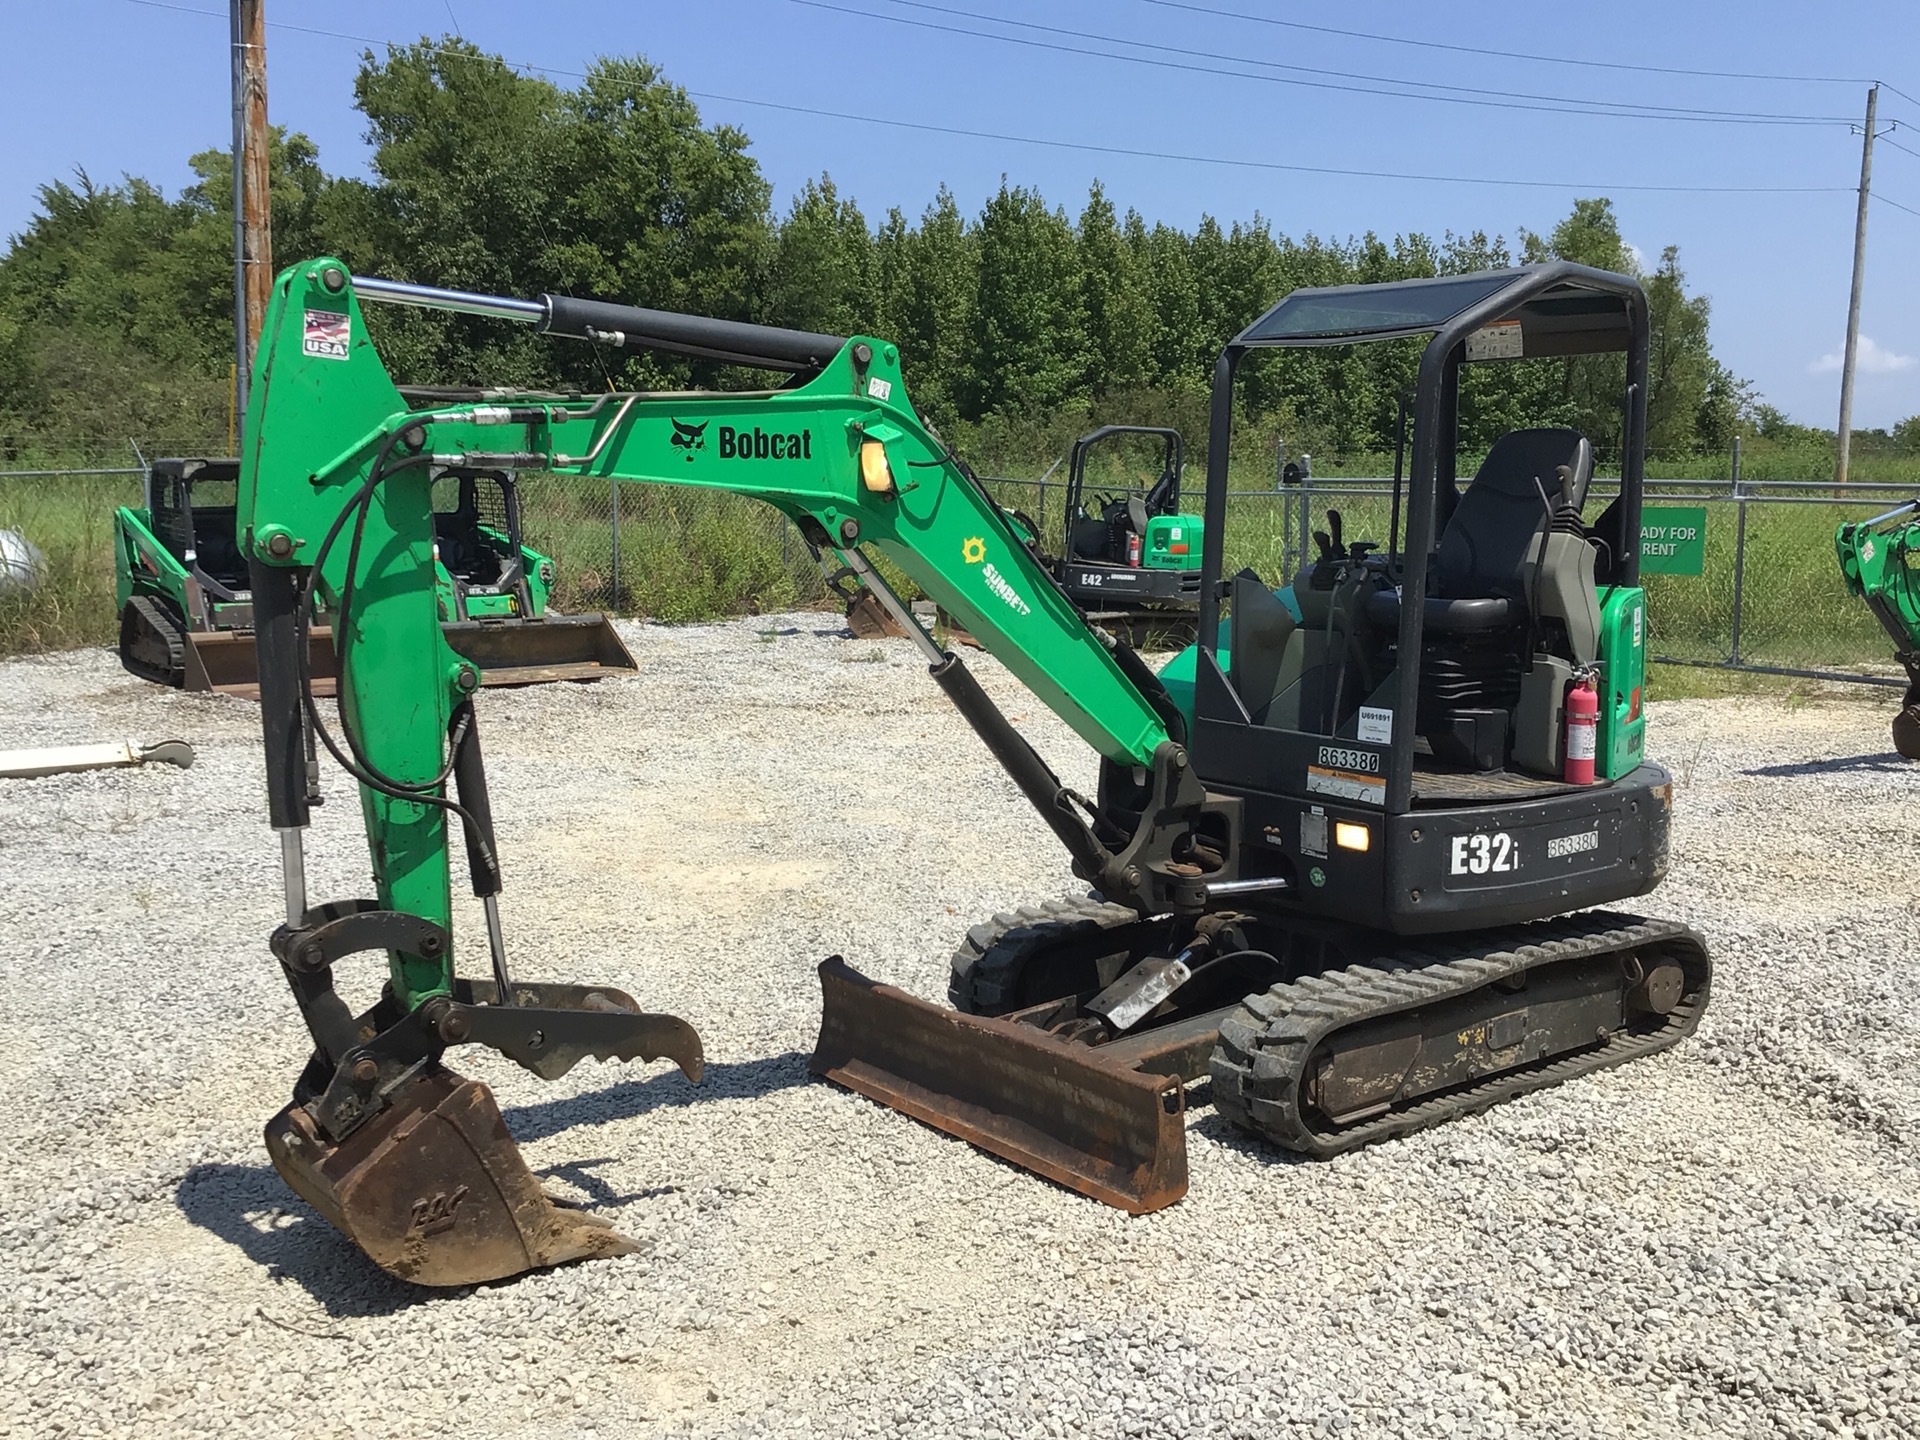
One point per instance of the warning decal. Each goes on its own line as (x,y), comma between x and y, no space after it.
(1501,340)
(327,334)
(1346,785)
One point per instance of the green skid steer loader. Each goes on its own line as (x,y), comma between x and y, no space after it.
(186,607)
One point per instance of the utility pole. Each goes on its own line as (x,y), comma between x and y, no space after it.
(1853,303)
(252,236)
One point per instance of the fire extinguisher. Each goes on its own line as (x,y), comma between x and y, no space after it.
(1583,729)
(1133,551)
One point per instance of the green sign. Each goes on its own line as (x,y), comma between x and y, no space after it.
(1673,539)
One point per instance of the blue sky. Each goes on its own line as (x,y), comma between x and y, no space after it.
(1776,265)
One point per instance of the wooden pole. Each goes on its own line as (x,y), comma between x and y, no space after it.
(252,227)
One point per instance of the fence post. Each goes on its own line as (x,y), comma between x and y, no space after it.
(613,599)
(1306,521)
(1739,550)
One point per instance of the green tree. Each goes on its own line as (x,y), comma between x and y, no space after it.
(820,276)
(936,336)
(1119,317)
(1030,319)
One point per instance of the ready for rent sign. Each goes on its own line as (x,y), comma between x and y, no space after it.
(1673,539)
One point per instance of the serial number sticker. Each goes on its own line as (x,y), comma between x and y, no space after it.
(1376,724)
(1346,785)
(1485,854)
(1337,757)
(1579,844)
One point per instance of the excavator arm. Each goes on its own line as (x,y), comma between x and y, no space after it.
(335,506)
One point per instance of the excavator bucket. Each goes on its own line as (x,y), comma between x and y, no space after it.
(1089,1122)
(434,1190)
(507,652)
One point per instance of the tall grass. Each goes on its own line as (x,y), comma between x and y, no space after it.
(69,519)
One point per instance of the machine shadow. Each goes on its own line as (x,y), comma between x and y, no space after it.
(1887,764)
(294,1244)
(742,1080)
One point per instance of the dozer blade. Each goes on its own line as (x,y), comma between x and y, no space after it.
(508,652)
(1059,1109)
(433,1188)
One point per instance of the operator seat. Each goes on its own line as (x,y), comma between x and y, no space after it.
(1511,592)
(1482,570)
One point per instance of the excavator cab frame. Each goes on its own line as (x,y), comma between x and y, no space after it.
(1419,698)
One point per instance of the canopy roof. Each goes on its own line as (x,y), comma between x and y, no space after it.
(1553,309)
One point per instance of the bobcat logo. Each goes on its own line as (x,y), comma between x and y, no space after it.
(435,1213)
(690,437)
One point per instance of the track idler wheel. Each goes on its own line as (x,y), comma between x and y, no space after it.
(434,1190)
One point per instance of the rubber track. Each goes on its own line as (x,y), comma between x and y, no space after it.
(157,624)
(1264,1049)
(985,975)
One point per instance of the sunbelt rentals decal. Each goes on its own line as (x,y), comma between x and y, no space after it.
(974,551)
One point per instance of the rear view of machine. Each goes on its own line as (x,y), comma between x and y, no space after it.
(1880,559)
(1130,555)
(186,608)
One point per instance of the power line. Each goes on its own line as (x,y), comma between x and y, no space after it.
(1509,54)
(1117,150)
(1728,118)
(1885,139)
(1506,98)
(1894,203)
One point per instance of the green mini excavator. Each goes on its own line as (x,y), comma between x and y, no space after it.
(1334,866)
(1880,560)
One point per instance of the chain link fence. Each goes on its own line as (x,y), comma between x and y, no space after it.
(1769,598)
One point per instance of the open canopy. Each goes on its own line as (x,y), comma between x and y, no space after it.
(1553,309)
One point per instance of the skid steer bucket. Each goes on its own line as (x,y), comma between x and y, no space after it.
(434,1190)
(1091,1123)
(508,652)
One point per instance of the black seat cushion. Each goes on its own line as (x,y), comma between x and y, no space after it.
(1467,615)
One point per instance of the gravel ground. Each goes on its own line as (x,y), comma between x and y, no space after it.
(1722,1240)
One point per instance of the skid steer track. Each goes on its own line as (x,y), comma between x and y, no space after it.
(1425,1036)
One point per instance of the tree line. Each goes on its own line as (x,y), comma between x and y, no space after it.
(115,302)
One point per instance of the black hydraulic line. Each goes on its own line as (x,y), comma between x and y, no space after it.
(763,346)
(1023,763)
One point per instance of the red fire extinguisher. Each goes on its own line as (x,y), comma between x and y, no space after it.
(1583,728)
(1133,551)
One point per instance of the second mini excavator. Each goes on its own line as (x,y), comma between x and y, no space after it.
(1333,867)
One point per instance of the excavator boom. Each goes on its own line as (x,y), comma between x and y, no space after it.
(402,1154)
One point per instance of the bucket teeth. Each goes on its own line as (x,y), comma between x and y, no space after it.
(434,1189)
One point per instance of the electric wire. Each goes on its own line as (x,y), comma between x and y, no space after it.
(1894,203)
(1502,99)
(1512,54)
(1085,147)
